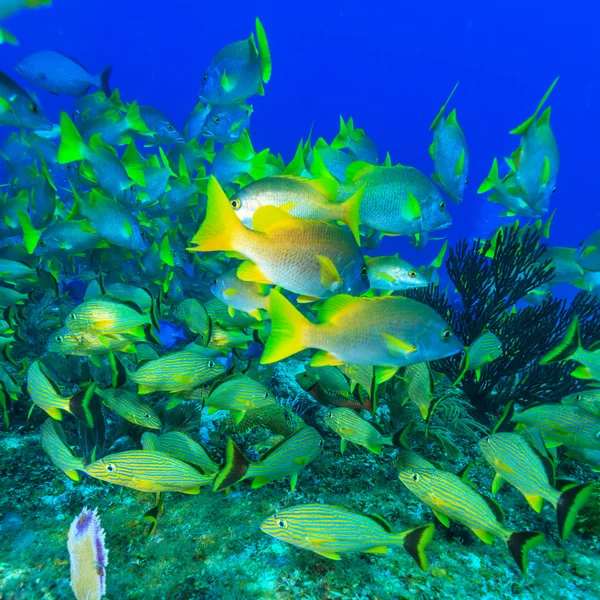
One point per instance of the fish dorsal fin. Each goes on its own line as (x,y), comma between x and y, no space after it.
(296,165)
(358,169)
(271,218)
(442,110)
(336,306)
(380,521)
(524,127)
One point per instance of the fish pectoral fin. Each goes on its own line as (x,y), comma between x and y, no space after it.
(303,299)
(250,271)
(230,293)
(411,211)
(386,277)
(377,550)
(259,482)
(397,347)
(536,502)
(442,518)
(323,359)
(484,535)
(497,483)
(330,277)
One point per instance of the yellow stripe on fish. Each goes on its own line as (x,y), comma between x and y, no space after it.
(333,530)
(183,447)
(56,447)
(353,428)
(131,407)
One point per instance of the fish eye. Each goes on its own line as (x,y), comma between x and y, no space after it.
(205,78)
(330,415)
(235,203)
(554,190)
(146,416)
(42,243)
(466,181)
(59,339)
(363,272)
(446,334)
(211,364)
(73,316)
(216,120)
(415,477)
(34,108)
(598,435)
(266,395)
(170,128)
(412,273)
(548,294)
(321,442)
(111,468)
(488,439)
(442,205)
(282,524)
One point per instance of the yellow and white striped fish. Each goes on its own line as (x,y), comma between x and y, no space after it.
(45,394)
(334,530)
(452,498)
(514,460)
(178,371)
(131,407)
(148,471)
(55,446)
(287,459)
(352,428)
(238,394)
(184,448)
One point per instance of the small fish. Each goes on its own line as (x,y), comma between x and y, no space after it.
(225,124)
(586,456)
(10,7)
(393,273)
(302,198)
(356,141)
(93,105)
(194,315)
(238,163)
(450,153)
(570,348)
(12,271)
(247,296)
(113,128)
(148,471)
(82,343)
(55,446)
(18,108)
(330,378)
(287,459)
(353,428)
(484,350)
(562,424)
(184,448)
(334,530)
(237,71)
(306,257)
(358,375)
(564,262)
(220,315)
(221,339)
(177,371)
(162,131)
(192,128)
(310,384)
(514,461)
(238,394)
(420,387)
(588,253)
(451,498)
(131,407)
(60,74)
(150,442)
(385,332)
(588,399)
(44,393)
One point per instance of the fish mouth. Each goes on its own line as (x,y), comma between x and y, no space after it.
(207,133)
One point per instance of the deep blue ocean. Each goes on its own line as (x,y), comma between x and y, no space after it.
(389,65)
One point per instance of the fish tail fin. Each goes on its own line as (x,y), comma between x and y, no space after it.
(491,180)
(567,347)
(235,469)
(288,330)
(134,119)
(79,405)
(571,501)
(520,542)
(72,147)
(352,212)
(400,438)
(104,80)
(264,52)
(258,165)
(117,370)
(415,541)
(221,228)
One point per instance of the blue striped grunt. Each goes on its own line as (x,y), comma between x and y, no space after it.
(150,442)
(353,428)
(44,393)
(131,407)
(184,448)
(515,461)
(407,460)
(562,424)
(55,446)
(238,394)
(83,343)
(194,315)
(451,498)
(420,387)
(178,371)
(287,459)
(588,399)
(148,471)
(484,350)
(586,456)
(333,530)
(570,348)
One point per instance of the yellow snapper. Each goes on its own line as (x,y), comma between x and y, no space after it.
(353,428)
(393,273)
(148,471)
(451,498)
(247,296)
(300,197)
(356,141)
(131,407)
(44,393)
(420,387)
(55,446)
(287,459)
(484,350)
(238,394)
(514,460)
(81,343)
(334,530)
(310,258)
(178,371)
(562,424)
(386,332)
(183,447)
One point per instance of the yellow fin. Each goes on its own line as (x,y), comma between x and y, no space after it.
(336,306)
(54,413)
(377,550)
(271,218)
(324,359)
(330,278)
(250,271)
(536,502)
(484,536)
(411,209)
(397,347)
